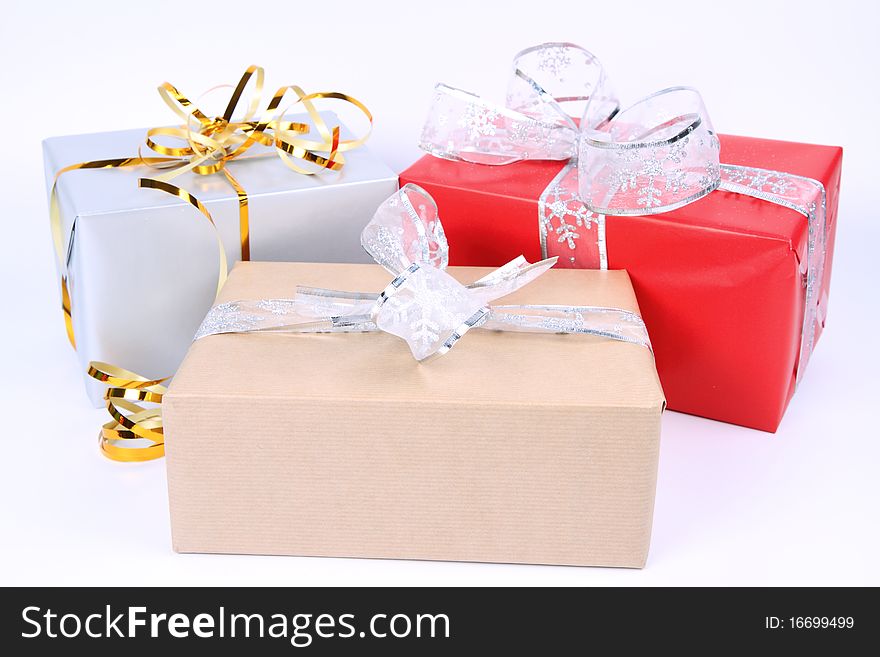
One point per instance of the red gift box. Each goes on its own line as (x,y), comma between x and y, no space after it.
(720,281)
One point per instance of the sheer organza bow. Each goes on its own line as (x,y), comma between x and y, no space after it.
(423,304)
(658,154)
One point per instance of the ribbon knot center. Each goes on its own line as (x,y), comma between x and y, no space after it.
(429,309)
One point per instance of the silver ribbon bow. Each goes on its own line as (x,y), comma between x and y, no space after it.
(423,304)
(657,155)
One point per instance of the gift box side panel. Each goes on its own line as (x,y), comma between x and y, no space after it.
(724,311)
(53,161)
(141,284)
(556,485)
(316,225)
(820,162)
(833,204)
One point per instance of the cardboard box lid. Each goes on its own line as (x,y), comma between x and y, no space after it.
(485,367)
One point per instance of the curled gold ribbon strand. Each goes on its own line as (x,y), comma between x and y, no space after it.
(135,433)
(168,188)
(244,229)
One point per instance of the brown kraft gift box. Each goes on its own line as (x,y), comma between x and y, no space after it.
(514,447)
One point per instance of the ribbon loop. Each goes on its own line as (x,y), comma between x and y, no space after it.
(657,155)
(533,124)
(405,229)
(221,139)
(556,80)
(462,126)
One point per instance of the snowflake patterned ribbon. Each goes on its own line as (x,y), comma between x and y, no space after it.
(659,154)
(423,304)
(652,157)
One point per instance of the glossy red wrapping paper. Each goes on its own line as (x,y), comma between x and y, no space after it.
(720,282)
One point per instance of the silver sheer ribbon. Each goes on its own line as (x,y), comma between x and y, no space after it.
(657,155)
(423,304)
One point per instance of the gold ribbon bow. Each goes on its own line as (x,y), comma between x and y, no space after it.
(206,145)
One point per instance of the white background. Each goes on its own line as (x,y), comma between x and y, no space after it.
(734,506)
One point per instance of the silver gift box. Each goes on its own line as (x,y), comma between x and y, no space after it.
(143,265)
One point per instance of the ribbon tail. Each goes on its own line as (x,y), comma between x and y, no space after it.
(313,310)
(567,227)
(135,433)
(68,313)
(465,127)
(509,278)
(612,323)
(317,302)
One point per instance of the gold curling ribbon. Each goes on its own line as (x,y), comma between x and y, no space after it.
(205,147)
(135,432)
